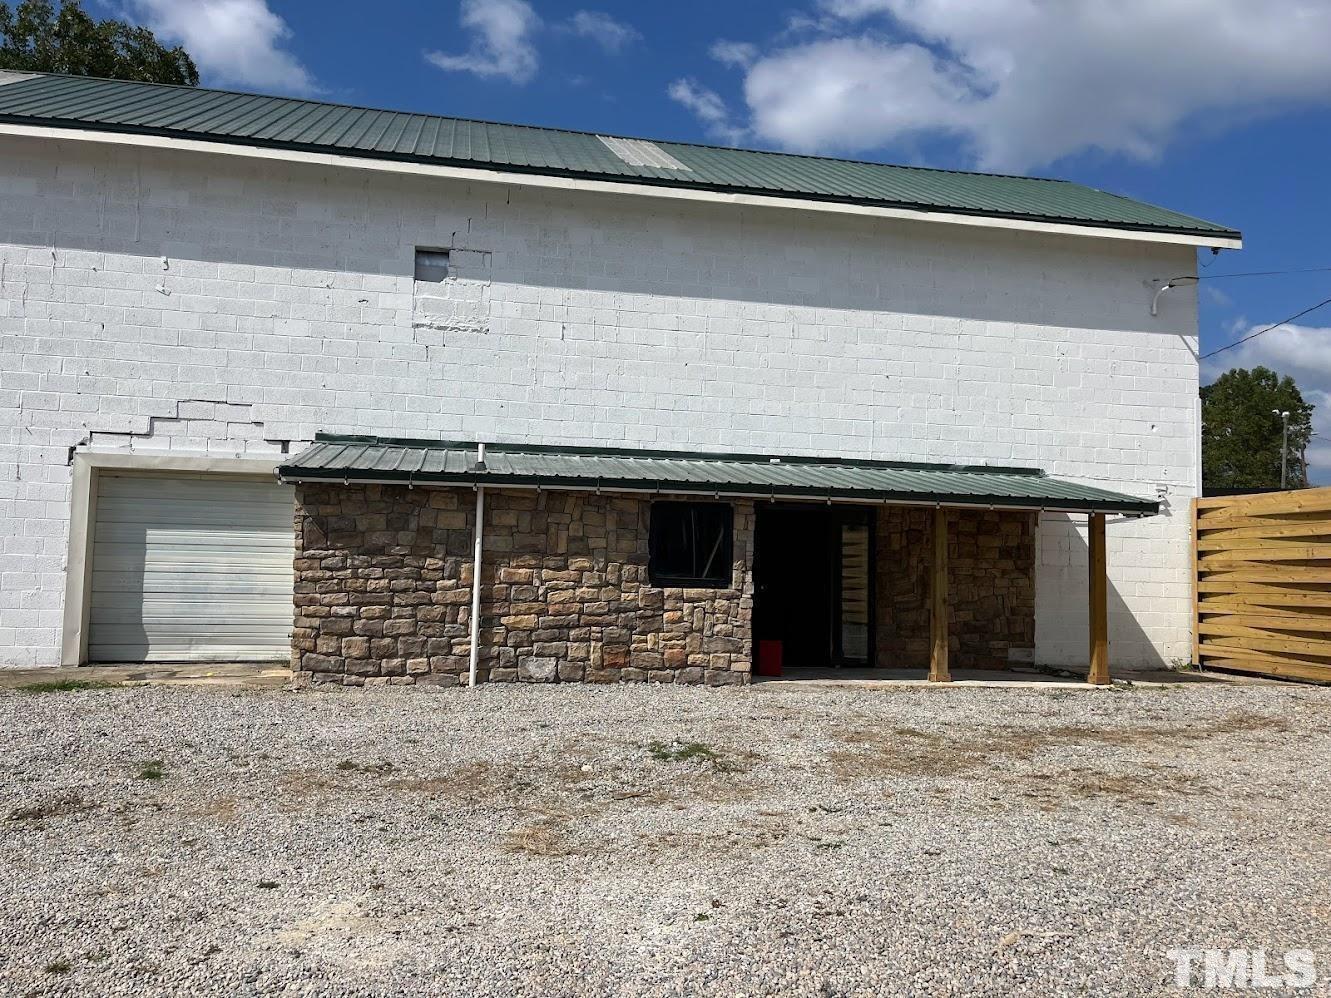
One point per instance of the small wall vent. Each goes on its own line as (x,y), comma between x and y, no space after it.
(431,265)
(640,152)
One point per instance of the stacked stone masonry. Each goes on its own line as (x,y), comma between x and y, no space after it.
(383,591)
(991,586)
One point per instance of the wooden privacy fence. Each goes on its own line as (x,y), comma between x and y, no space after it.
(1262,584)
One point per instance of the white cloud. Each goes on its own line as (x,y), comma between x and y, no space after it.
(840,97)
(236,42)
(734,53)
(1303,353)
(709,108)
(603,29)
(501,42)
(1025,82)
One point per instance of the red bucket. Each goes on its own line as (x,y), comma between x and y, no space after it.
(769,658)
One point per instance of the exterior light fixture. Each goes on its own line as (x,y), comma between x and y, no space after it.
(1173,282)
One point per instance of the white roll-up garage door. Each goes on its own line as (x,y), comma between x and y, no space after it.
(190,569)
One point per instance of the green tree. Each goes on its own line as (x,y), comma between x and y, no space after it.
(36,36)
(1241,436)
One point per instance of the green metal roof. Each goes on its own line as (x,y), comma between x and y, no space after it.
(286,123)
(423,462)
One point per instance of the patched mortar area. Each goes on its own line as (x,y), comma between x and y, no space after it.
(643,839)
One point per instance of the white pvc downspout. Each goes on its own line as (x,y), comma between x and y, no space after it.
(476,571)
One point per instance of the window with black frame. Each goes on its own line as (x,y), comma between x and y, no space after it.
(691,544)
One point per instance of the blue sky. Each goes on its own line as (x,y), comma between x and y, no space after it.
(1218,108)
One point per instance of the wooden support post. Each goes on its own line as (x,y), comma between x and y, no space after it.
(1099,672)
(938,671)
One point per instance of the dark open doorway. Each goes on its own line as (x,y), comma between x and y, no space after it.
(814,584)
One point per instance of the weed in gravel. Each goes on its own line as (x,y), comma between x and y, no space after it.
(1150,736)
(56,807)
(212,949)
(472,781)
(901,751)
(682,752)
(1051,791)
(150,770)
(369,768)
(219,808)
(299,785)
(67,686)
(267,885)
(904,751)
(61,966)
(1144,788)
(544,838)
(435,785)
(1128,686)
(692,752)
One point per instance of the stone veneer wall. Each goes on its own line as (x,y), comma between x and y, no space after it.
(383,591)
(991,580)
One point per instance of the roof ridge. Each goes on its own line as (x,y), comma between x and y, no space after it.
(569,131)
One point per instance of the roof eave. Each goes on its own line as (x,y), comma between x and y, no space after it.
(295,474)
(569,180)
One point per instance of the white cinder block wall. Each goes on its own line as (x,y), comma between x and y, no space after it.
(203,304)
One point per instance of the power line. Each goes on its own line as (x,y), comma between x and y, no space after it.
(1262,273)
(1275,325)
(1251,273)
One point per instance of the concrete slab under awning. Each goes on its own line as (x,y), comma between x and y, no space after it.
(891,679)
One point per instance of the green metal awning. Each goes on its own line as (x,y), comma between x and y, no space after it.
(362,459)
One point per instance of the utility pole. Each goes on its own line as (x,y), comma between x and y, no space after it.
(1284,444)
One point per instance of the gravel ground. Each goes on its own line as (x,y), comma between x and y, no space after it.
(643,840)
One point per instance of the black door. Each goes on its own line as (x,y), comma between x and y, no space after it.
(814,585)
